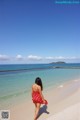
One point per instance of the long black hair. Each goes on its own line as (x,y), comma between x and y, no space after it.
(38,81)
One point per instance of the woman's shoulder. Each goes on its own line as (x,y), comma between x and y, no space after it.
(35,86)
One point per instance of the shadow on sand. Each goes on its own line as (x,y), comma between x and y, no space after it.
(42,110)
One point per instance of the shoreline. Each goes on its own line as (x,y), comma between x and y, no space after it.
(59,99)
(16,100)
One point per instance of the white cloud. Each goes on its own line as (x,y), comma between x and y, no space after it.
(4,57)
(19,57)
(49,58)
(72,58)
(61,58)
(55,58)
(33,57)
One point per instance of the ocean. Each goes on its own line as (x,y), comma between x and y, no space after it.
(16,79)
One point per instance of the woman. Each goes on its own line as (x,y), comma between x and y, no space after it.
(37,96)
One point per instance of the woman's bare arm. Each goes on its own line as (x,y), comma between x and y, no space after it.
(32,90)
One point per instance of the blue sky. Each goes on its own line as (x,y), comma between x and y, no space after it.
(39,31)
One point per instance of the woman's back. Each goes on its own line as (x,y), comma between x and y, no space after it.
(35,87)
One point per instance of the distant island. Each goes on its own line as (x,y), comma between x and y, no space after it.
(59,62)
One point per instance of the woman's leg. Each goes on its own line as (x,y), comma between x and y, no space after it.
(35,107)
(37,110)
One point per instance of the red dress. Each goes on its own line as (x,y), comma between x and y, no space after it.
(36,97)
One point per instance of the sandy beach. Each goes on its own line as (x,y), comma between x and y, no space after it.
(63,103)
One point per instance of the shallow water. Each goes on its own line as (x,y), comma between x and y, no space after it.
(15,86)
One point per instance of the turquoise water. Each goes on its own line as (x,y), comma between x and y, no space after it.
(16,80)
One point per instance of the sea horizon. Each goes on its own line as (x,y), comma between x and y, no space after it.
(40,63)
